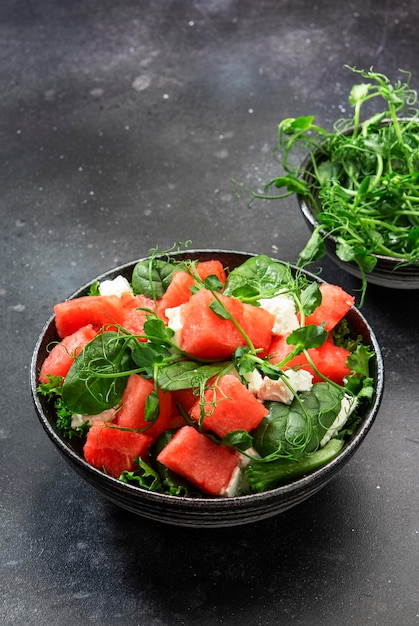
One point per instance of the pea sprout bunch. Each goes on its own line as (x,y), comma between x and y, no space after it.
(361,178)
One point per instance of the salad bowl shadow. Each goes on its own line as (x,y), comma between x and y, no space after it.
(205,512)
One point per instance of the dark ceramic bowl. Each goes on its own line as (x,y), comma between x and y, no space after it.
(387,272)
(205,512)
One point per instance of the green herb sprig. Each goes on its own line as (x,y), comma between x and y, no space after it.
(361,177)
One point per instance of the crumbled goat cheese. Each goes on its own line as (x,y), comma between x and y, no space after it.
(77,419)
(267,389)
(231,489)
(236,480)
(244,459)
(115,287)
(283,309)
(278,391)
(175,321)
(348,405)
(254,380)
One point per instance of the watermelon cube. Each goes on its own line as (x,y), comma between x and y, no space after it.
(179,291)
(212,268)
(207,336)
(131,414)
(334,306)
(62,355)
(98,311)
(134,315)
(113,450)
(134,321)
(328,359)
(331,361)
(229,406)
(185,398)
(129,301)
(202,462)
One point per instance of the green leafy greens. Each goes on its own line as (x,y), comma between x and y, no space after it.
(290,431)
(361,178)
(99,374)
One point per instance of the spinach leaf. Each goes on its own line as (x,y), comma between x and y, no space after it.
(99,374)
(310,298)
(258,277)
(152,277)
(238,439)
(303,338)
(187,374)
(264,476)
(297,429)
(156,350)
(148,355)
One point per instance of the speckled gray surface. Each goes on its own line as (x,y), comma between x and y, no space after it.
(121,125)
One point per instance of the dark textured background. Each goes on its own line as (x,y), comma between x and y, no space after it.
(121,125)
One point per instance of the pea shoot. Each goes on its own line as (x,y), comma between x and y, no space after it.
(361,178)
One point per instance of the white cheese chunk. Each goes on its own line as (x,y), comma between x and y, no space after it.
(231,489)
(254,381)
(77,419)
(174,316)
(348,405)
(282,307)
(278,390)
(244,459)
(115,287)
(267,389)
(237,479)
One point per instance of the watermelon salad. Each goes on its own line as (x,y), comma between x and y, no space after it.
(193,380)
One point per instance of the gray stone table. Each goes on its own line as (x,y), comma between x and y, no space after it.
(122,124)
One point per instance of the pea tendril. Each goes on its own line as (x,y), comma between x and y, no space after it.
(360,179)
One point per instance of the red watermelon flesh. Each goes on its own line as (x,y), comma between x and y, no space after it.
(113,450)
(134,314)
(212,268)
(98,311)
(131,414)
(134,321)
(204,463)
(329,359)
(176,421)
(185,398)
(62,355)
(334,306)
(229,406)
(130,301)
(207,336)
(179,290)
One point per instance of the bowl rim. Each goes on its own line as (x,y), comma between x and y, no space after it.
(214,504)
(305,205)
